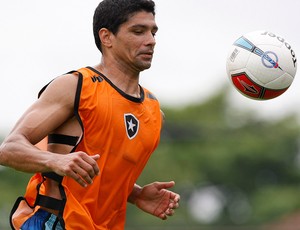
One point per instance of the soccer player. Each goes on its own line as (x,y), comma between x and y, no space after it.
(101,127)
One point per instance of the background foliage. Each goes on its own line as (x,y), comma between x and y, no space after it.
(250,165)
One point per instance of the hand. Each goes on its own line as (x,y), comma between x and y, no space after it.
(78,165)
(156,200)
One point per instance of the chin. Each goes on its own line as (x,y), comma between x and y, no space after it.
(144,66)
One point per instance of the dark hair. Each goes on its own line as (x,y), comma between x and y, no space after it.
(110,14)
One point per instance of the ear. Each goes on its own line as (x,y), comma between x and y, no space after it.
(105,37)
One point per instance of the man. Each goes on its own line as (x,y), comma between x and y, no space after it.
(102,127)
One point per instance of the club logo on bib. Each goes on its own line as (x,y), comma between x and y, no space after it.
(131,125)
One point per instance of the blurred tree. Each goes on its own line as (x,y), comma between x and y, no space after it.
(254,163)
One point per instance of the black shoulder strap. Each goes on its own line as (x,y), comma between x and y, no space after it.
(43,89)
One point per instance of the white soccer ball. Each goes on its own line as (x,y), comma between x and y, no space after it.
(261,65)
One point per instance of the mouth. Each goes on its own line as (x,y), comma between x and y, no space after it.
(148,54)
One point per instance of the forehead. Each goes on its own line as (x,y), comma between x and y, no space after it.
(141,18)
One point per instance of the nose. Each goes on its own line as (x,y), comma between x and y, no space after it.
(150,39)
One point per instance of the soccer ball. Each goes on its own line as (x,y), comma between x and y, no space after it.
(261,65)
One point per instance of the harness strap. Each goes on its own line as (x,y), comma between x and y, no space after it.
(53,176)
(62,139)
(49,202)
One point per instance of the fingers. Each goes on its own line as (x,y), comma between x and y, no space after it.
(95,157)
(164,185)
(92,161)
(163,216)
(77,178)
(175,197)
(83,168)
(168,212)
(173,204)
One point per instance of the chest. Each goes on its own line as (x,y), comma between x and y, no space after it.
(115,125)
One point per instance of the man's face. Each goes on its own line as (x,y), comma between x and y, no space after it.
(133,45)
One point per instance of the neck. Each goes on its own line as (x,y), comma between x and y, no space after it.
(126,81)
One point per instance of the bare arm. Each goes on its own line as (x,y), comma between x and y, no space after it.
(51,110)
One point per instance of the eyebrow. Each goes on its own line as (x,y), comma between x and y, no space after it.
(144,27)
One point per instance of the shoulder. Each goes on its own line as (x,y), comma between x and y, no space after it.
(149,94)
(61,89)
(70,78)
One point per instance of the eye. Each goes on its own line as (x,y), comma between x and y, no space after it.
(154,31)
(138,32)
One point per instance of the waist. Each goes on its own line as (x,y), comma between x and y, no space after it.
(52,190)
